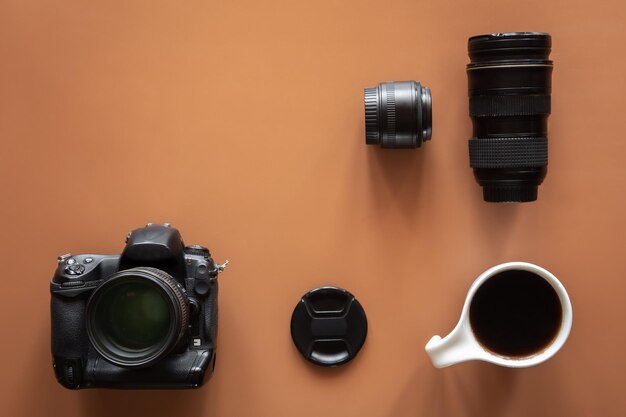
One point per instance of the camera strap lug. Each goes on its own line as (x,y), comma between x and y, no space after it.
(217,269)
(221,267)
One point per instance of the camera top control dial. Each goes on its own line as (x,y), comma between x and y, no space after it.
(74,268)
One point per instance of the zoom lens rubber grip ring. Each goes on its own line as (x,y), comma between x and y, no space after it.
(497,106)
(508,152)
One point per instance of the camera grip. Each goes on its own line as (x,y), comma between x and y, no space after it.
(68,328)
(175,371)
(210,315)
(69,339)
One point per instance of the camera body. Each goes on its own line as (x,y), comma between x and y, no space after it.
(81,361)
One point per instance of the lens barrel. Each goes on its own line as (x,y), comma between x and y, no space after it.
(509,80)
(137,316)
(398,114)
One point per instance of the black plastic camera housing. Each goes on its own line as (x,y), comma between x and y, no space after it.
(98,300)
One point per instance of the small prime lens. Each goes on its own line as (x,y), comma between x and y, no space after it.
(398,114)
(137,316)
(509,79)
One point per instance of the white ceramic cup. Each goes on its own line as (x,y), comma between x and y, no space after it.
(461,344)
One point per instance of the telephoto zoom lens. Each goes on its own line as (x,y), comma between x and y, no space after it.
(509,79)
(398,114)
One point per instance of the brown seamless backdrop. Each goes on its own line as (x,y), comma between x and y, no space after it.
(241,123)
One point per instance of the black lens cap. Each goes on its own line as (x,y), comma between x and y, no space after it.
(328,326)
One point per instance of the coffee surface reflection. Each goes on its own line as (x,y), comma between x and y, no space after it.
(515,313)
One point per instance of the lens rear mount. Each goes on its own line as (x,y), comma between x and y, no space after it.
(137,317)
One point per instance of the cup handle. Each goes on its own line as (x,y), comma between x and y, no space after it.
(452,349)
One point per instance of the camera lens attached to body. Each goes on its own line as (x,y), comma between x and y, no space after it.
(137,316)
(146,318)
(398,114)
(509,80)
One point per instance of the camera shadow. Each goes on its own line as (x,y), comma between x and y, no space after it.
(155,403)
(52,398)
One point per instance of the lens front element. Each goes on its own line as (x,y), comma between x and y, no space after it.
(137,316)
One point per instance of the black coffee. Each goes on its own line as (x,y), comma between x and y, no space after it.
(515,313)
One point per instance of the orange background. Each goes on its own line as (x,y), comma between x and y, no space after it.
(241,123)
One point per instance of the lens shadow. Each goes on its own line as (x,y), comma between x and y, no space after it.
(497,225)
(396,179)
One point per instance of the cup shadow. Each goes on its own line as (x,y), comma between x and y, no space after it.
(472,389)
(483,389)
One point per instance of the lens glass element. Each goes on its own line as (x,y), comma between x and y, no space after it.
(134,315)
(137,316)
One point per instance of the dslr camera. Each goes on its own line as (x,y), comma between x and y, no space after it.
(144,319)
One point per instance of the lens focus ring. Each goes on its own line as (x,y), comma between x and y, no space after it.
(372,135)
(508,152)
(496,106)
(177,290)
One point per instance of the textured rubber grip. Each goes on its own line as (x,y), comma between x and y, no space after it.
(508,152)
(390,126)
(372,135)
(388,119)
(495,106)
